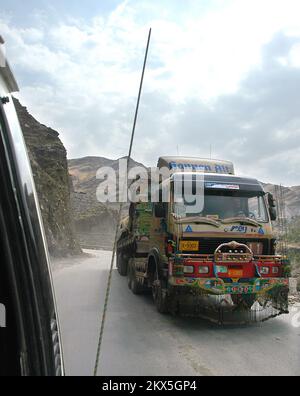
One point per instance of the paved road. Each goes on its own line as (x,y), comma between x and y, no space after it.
(140,341)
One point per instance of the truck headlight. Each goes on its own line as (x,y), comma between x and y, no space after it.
(264,270)
(188,269)
(203,269)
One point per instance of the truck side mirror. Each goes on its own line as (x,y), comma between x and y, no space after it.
(272,207)
(160,209)
(273,213)
(271,200)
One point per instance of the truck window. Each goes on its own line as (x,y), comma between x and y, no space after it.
(226,204)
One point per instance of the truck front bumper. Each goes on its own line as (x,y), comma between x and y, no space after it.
(217,300)
(218,286)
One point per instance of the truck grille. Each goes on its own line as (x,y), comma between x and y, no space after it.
(209,245)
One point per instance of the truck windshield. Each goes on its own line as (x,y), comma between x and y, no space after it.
(226,204)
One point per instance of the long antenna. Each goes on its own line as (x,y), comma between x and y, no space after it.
(284,219)
(138,99)
(280,218)
(119,215)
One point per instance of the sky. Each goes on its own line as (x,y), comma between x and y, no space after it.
(222,78)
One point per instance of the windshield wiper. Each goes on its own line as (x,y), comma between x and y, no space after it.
(245,220)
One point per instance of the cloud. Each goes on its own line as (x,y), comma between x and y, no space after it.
(221,73)
(258,127)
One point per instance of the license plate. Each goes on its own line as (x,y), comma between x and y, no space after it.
(189,246)
(234,273)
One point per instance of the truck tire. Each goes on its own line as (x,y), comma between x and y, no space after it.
(122,264)
(133,283)
(160,297)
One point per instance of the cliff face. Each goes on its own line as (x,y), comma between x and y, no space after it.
(50,171)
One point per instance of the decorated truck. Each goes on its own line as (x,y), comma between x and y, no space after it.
(218,262)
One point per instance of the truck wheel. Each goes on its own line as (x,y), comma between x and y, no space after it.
(122,264)
(160,297)
(133,283)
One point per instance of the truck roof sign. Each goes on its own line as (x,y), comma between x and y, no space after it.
(191,164)
(222,186)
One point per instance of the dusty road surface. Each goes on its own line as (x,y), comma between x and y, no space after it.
(140,341)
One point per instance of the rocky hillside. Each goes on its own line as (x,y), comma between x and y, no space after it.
(291,197)
(50,171)
(95,222)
